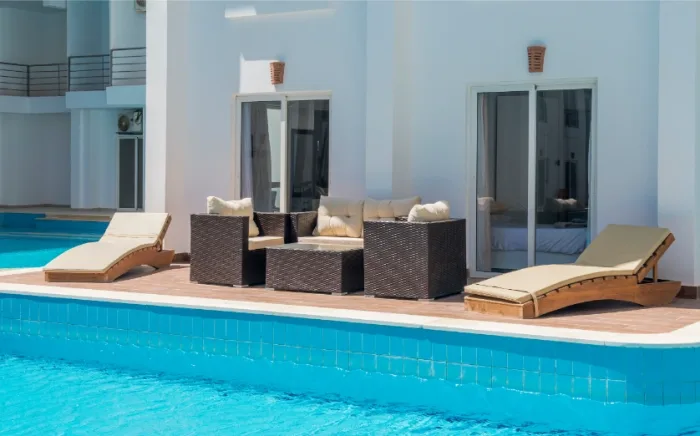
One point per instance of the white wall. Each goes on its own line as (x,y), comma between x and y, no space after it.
(127,28)
(93,159)
(88,27)
(323,52)
(34,159)
(456,44)
(32,37)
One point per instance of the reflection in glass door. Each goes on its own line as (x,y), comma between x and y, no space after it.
(531,199)
(308,122)
(261,154)
(502,180)
(563,152)
(284,153)
(130,172)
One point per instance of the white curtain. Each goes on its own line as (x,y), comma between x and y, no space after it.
(255,156)
(484,192)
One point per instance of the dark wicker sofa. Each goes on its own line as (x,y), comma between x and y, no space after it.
(222,253)
(415,260)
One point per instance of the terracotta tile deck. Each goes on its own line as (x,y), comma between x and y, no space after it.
(600,316)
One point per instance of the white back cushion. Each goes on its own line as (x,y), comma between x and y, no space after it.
(388,209)
(244,207)
(340,217)
(439,211)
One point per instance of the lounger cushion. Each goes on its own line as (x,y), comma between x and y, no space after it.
(339,217)
(388,209)
(624,248)
(95,257)
(332,240)
(149,228)
(619,250)
(439,211)
(259,242)
(244,207)
(519,286)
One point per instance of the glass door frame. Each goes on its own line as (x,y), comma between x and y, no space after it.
(531,88)
(137,160)
(283,98)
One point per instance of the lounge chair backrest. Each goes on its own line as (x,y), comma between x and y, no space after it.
(148,227)
(623,247)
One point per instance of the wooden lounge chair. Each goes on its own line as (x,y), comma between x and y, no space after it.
(132,239)
(613,267)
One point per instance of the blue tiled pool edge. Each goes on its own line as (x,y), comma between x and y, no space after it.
(71,328)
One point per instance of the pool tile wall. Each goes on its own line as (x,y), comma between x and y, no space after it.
(606,374)
(14,221)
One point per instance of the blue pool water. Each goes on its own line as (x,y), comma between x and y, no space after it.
(23,251)
(87,367)
(28,240)
(54,397)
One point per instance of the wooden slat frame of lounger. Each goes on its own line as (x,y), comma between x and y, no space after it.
(153,256)
(635,288)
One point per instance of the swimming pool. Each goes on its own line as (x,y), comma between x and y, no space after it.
(166,368)
(30,240)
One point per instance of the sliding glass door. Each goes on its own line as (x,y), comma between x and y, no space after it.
(283,152)
(531,148)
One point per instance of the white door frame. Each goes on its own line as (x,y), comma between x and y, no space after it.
(472,143)
(137,160)
(283,98)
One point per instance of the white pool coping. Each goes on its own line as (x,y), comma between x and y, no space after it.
(687,336)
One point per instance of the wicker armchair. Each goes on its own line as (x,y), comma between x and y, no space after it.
(223,254)
(415,260)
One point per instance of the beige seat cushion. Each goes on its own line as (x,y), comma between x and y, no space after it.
(95,257)
(244,207)
(149,228)
(332,240)
(258,242)
(439,211)
(388,209)
(623,247)
(339,217)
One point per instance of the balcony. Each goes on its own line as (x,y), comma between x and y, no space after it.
(121,67)
(44,80)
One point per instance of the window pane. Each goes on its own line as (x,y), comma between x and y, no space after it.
(563,151)
(260,154)
(308,122)
(502,173)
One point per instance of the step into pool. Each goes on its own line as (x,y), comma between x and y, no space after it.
(78,366)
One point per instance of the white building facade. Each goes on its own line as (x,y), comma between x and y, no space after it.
(401,98)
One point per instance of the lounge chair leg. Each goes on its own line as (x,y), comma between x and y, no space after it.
(162,259)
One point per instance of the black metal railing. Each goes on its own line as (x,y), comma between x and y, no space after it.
(42,80)
(128,66)
(88,73)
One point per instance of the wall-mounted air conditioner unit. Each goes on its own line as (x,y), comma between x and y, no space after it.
(130,122)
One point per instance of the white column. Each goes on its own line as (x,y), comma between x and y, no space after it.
(678,141)
(166,132)
(380,99)
(389,99)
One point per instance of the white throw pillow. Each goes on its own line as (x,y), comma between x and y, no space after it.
(244,207)
(339,217)
(388,209)
(439,211)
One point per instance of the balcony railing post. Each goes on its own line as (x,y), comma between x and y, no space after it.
(29,74)
(111,67)
(68,86)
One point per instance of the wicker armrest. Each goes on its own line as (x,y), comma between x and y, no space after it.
(302,224)
(272,223)
(217,232)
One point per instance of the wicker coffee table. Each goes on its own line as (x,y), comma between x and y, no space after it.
(334,269)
